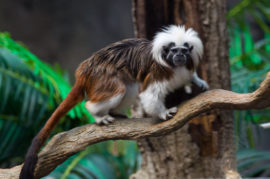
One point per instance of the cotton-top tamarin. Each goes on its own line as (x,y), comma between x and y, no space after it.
(113,77)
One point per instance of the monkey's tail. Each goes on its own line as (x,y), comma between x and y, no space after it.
(75,96)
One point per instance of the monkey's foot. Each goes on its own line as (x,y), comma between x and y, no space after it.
(107,119)
(188,89)
(169,113)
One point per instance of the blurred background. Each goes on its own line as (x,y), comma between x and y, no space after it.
(42,43)
(66,32)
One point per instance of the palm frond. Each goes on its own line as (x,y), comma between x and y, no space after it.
(252,162)
(53,80)
(250,61)
(29,92)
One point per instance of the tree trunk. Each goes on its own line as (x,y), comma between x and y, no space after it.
(205,147)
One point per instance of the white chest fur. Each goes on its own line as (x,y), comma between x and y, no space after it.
(181,77)
(152,99)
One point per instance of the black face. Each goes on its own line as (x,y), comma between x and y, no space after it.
(177,55)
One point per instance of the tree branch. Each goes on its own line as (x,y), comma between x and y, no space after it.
(65,144)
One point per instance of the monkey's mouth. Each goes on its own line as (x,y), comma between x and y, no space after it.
(179,60)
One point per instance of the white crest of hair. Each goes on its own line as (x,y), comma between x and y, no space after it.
(179,35)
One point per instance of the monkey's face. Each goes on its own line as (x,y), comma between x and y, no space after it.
(177,55)
(186,47)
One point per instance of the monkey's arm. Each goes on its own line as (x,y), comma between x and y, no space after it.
(199,82)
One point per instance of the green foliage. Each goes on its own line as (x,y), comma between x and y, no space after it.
(253,163)
(97,161)
(250,61)
(52,79)
(30,90)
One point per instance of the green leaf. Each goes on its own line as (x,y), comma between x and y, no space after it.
(30,90)
(260,20)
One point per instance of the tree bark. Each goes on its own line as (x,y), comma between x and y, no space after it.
(65,144)
(205,147)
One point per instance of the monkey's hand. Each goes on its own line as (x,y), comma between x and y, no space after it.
(203,85)
(200,82)
(168,114)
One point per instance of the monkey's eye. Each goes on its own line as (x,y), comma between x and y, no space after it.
(174,50)
(184,50)
(165,49)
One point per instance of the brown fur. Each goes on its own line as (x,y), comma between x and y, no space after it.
(102,76)
(126,60)
(190,65)
(104,88)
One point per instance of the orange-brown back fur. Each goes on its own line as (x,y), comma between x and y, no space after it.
(99,77)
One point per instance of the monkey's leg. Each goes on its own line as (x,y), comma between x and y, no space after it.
(129,99)
(100,110)
(104,97)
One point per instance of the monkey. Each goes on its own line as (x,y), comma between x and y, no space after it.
(112,78)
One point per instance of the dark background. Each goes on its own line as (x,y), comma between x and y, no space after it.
(67,31)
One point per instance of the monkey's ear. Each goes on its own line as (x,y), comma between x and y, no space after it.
(170,45)
(186,44)
(166,49)
(164,52)
(190,48)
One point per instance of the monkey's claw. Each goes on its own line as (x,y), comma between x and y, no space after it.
(169,113)
(188,89)
(107,119)
(203,85)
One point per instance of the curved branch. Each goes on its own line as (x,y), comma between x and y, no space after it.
(65,144)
